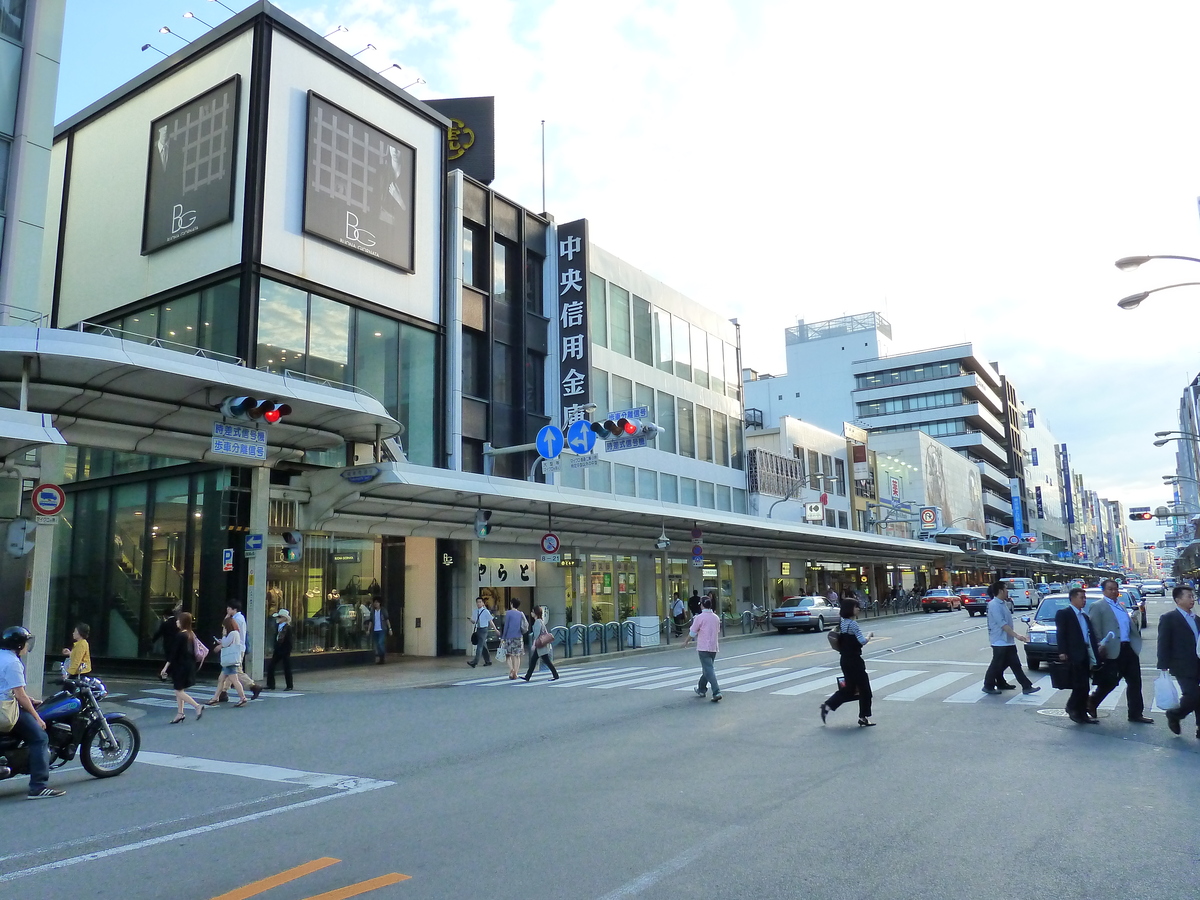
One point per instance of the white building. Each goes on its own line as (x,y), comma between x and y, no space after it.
(796,463)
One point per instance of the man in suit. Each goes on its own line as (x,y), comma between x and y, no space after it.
(1077,648)
(1120,638)
(1178,633)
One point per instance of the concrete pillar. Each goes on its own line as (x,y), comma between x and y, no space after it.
(35,614)
(256,573)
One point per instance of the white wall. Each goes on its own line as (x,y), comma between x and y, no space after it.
(103,266)
(294,71)
(420,596)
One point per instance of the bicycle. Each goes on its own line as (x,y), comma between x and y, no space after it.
(760,617)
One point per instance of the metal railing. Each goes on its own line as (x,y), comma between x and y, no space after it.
(134,337)
(19,315)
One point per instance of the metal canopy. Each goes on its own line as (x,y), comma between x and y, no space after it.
(409,500)
(123,395)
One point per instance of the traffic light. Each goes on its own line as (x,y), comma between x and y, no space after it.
(293,546)
(1141,517)
(482,525)
(613,428)
(254,409)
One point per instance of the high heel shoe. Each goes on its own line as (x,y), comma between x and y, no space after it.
(177,720)
(825,712)
(863,723)
(199,713)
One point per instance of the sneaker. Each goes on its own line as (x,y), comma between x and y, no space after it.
(45,794)
(700,693)
(992,690)
(716,698)
(1032,689)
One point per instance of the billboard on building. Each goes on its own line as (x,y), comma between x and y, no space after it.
(359,185)
(574,342)
(190,175)
(471,138)
(952,483)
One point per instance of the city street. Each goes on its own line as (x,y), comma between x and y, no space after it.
(617,781)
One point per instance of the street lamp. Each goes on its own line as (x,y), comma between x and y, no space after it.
(1134,300)
(1182,436)
(1129,263)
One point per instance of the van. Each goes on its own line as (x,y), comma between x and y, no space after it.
(1022,592)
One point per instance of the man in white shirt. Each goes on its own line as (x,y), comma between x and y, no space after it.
(1003,639)
(233,610)
(29,726)
(481,623)
(677,609)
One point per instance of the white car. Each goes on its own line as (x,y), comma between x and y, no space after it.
(1153,587)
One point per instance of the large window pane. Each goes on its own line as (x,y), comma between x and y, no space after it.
(708,497)
(377,358)
(600,393)
(12,19)
(700,356)
(219,318)
(505,272)
(716,363)
(624,480)
(670,488)
(597,310)
(687,429)
(643,332)
(504,374)
(647,484)
(724,498)
(622,392)
(720,439)
(329,340)
(704,451)
(177,322)
(475,364)
(600,477)
(737,448)
(687,491)
(4,152)
(665,414)
(418,393)
(618,320)
(681,336)
(662,340)
(733,376)
(535,380)
(127,573)
(533,283)
(282,327)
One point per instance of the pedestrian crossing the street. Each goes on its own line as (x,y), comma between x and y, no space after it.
(164,698)
(899,685)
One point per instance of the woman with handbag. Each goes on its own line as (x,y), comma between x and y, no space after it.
(542,646)
(854,682)
(512,633)
(182,665)
(230,647)
(482,624)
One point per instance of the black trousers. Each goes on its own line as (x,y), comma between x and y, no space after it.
(1189,698)
(1127,666)
(854,671)
(1005,658)
(534,659)
(285,661)
(1079,676)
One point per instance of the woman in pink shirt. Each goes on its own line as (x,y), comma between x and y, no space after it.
(705,628)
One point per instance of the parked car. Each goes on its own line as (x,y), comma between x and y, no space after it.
(808,613)
(975,599)
(1154,587)
(940,598)
(1022,592)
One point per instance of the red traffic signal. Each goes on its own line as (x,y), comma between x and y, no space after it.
(1141,516)
(611,428)
(254,409)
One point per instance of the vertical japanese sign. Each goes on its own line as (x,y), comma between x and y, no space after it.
(1068,501)
(574,347)
(1041,509)
(1014,493)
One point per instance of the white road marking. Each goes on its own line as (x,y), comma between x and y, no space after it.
(928,686)
(640,678)
(619,673)
(691,676)
(673,865)
(972,694)
(571,672)
(809,686)
(155,701)
(1111,701)
(777,679)
(1046,692)
(724,679)
(927,662)
(257,772)
(894,677)
(755,653)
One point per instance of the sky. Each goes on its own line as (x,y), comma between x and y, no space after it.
(971,171)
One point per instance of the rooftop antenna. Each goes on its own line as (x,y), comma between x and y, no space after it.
(543,165)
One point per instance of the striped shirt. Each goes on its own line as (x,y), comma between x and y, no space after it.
(850,626)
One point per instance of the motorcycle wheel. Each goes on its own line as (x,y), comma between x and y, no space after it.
(101,763)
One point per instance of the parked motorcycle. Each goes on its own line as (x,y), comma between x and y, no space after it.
(107,743)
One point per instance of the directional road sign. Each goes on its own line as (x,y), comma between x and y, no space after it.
(581,438)
(254,542)
(550,442)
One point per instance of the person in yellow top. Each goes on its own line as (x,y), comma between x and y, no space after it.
(80,653)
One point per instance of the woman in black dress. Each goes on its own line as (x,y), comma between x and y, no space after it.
(854,670)
(181,663)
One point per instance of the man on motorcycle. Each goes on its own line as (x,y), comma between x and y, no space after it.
(14,643)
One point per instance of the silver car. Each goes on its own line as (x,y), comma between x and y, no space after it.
(1153,587)
(809,613)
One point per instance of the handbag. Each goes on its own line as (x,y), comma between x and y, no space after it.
(1060,675)
(1166,693)
(834,635)
(474,637)
(501,653)
(543,639)
(199,651)
(9,711)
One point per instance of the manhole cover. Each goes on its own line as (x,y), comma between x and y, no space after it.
(1062,713)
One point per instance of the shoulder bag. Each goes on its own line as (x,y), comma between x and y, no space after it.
(544,639)
(834,635)
(199,650)
(9,711)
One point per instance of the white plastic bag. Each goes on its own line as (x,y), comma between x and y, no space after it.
(1166,693)
(500,653)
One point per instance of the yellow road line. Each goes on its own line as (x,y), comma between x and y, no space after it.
(265,884)
(353,890)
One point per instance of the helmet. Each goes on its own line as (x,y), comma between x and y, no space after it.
(15,638)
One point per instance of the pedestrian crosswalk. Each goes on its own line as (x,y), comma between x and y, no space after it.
(900,685)
(164,698)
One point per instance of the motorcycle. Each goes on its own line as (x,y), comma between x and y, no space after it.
(107,743)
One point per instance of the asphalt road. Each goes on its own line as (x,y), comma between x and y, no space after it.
(618,782)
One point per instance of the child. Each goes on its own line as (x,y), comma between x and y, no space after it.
(80,654)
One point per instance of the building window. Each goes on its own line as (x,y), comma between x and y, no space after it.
(475,364)
(797,451)
(662,340)
(724,498)
(535,383)
(720,439)
(687,429)
(737,445)
(843,520)
(622,393)
(12,19)
(533,283)
(716,364)
(670,487)
(377,358)
(624,480)
(599,388)
(739,500)
(282,327)
(472,456)
(505,272)
(619,335)
(665,419)
(504,374)
(329,340)
(418,396)
(597,310)
(5,147)
(704,444)
(687,491)
(474,259)
(830,519)
(733,375)
(647,484)
(681,339)
(643,332)
(708,496)
(600,477)
(814,470)
(908,375)
(700,357)
(827,469)
(839,468)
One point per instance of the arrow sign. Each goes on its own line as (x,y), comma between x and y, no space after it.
(581,438)
(550,442)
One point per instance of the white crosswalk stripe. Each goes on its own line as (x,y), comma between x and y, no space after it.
(781,681)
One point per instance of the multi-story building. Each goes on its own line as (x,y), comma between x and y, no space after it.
(30,43)
(1043,480)
(795,463)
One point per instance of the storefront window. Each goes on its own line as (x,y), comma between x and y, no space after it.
(601,594)
(282,327)
(418,393)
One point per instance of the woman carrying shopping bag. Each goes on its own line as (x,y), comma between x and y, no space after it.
(512,634)
(542,646)
(854,681)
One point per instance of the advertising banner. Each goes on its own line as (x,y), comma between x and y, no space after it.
(1041,510)
(359,185)
(1018,513)
(471,138)
(190,178)
(506,573)
(574,345)
(1068,500)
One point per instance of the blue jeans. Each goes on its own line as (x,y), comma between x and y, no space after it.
(708,675)
(380,643)
(39,750)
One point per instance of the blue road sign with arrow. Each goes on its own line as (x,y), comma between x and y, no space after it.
(550,442)
(581,437)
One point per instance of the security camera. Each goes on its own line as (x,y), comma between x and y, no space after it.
(663,541)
